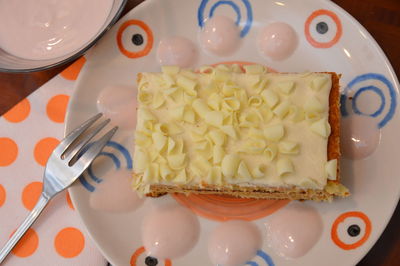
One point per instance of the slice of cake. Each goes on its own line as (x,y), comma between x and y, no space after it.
(238,131)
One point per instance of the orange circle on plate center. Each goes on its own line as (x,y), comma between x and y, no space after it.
(223,207)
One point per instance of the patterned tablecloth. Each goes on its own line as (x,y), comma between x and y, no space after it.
(28,134)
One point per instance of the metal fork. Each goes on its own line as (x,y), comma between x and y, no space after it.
(66,163)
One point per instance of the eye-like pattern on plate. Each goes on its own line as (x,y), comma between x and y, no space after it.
(135,38)
(122,153)
(323,28)
(373,88)
(139,258)
(242,8)
(351,230)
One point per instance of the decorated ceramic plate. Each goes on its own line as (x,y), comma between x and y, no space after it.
(287,36)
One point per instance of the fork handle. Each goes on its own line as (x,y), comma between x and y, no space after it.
(26,224)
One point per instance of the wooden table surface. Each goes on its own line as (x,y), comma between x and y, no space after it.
(380,17)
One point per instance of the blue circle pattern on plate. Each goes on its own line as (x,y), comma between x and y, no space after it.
(378,91)
(373,89)
(235,7)
(116,146)
(265,258)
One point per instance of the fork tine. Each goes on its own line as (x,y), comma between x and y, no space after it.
(78,148)
(90,154)
(69,139)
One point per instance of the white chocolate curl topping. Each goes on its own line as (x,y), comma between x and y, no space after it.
(232,125)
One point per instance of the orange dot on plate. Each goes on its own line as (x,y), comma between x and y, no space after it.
(57,107)
(2,195)
(72,72)
(31,194)
(19,112)
(68,197)
(27,245)
(8,151)
(69,242)
(43,149)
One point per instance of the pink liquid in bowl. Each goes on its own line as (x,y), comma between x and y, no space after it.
(177,51)
(220,36)
(46,29)
(233,243)
(277,40)
(169,231)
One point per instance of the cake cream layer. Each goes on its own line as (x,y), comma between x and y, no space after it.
(222,125)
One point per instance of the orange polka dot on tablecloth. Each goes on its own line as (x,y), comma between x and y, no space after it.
(57,107)
(43,149)
(2,195)
(31,194)
(27,245)
(8,151)
(72,72)
(69,242)
(68,197)
(19,112)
